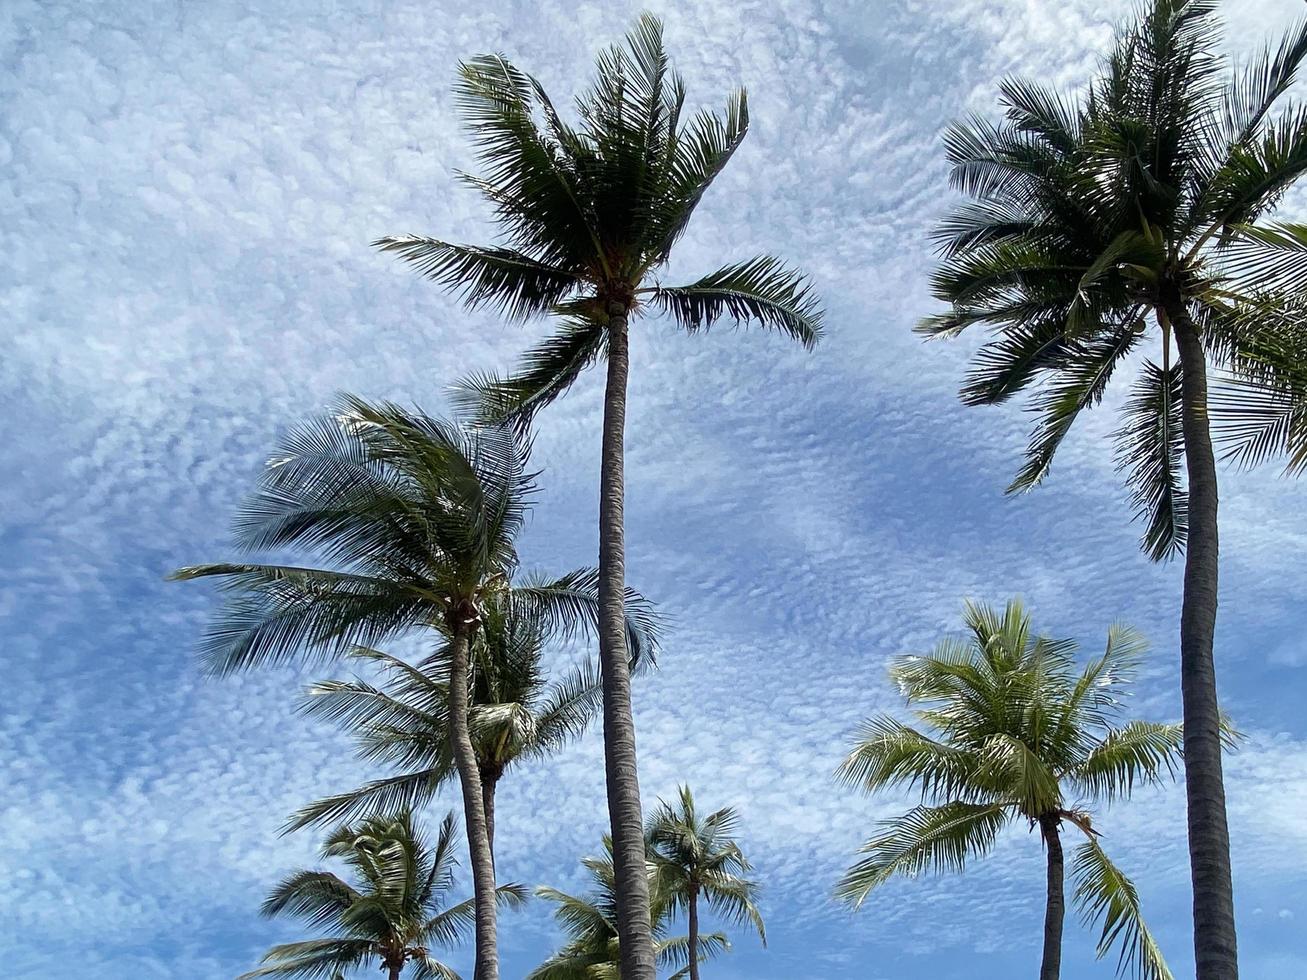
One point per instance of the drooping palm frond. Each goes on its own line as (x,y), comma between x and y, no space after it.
(1150,450)
(1104,895)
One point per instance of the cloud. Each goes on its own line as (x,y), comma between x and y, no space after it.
(187,196)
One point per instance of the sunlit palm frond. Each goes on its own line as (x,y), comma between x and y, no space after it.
(1104,895)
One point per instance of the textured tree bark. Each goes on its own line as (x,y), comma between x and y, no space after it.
(631,882)
(1215,950)
(474,814)
(488,783)
(1055,911)
(693,916)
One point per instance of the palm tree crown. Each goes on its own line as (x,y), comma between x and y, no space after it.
(516,711)
(390,913)
(1141,205)
(1011,732)
(592,950)
(590,210)
(697,857)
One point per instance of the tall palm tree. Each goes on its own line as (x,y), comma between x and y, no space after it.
(516,713)
(593,947)
(414,520)
(697,857)
(1011,731)
(390,914)
(589,212)
(1134,218)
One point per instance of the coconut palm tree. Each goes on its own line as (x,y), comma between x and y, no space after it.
(516,713)
(697,857)
(589,212)
(389,915)
(414,520)
(593,949)
(1134,220)
(1012,731)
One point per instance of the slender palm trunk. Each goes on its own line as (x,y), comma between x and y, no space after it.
(631,883)
(395,970)
(693,915)
(474,815)
(489,781)
(1055,910)
(1209,835)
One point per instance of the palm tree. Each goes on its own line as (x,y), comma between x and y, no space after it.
(589,212)
(414,520)
(515,714)
(1010,729)
(1141,205)
(698,857)
(390,915)
(593,948)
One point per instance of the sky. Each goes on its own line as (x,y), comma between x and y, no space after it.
(187,194)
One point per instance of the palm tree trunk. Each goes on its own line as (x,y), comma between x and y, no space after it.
(395,971)
(693,915)
(631,883)
(1209,835)
(474,814)
(1055,910)
(488,783)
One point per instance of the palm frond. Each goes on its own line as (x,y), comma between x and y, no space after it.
(506,281)
(1150,451)
(759,290)
(1104,895)
(924,839)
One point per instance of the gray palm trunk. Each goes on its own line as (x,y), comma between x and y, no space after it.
(630,877)
(489,781)
(1055,909)
(1209,834)
(693,916)
(474,813)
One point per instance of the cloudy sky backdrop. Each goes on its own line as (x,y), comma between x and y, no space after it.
(187,191)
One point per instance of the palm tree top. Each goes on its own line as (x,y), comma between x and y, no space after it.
(1143,201)
(696,853)
(1011,729)
(391,910)
(589,210)
(413,520)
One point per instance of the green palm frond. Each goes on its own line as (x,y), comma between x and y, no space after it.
(1150,451)
(1104,895)
(760,290)
(1138,753)
(314,959)
(940,838)
(501,279)
(542,374)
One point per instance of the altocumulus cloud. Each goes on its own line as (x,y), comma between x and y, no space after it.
(187,195)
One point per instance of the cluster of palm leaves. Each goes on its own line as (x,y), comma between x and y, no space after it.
(1131,222)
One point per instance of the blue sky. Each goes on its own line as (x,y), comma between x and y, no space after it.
(186,196)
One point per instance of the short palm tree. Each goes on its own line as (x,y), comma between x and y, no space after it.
(696,857)
(516,713)
(589,213)
(1130,219)
(389,915)
(414,520)
(593,949)
(1011,728)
